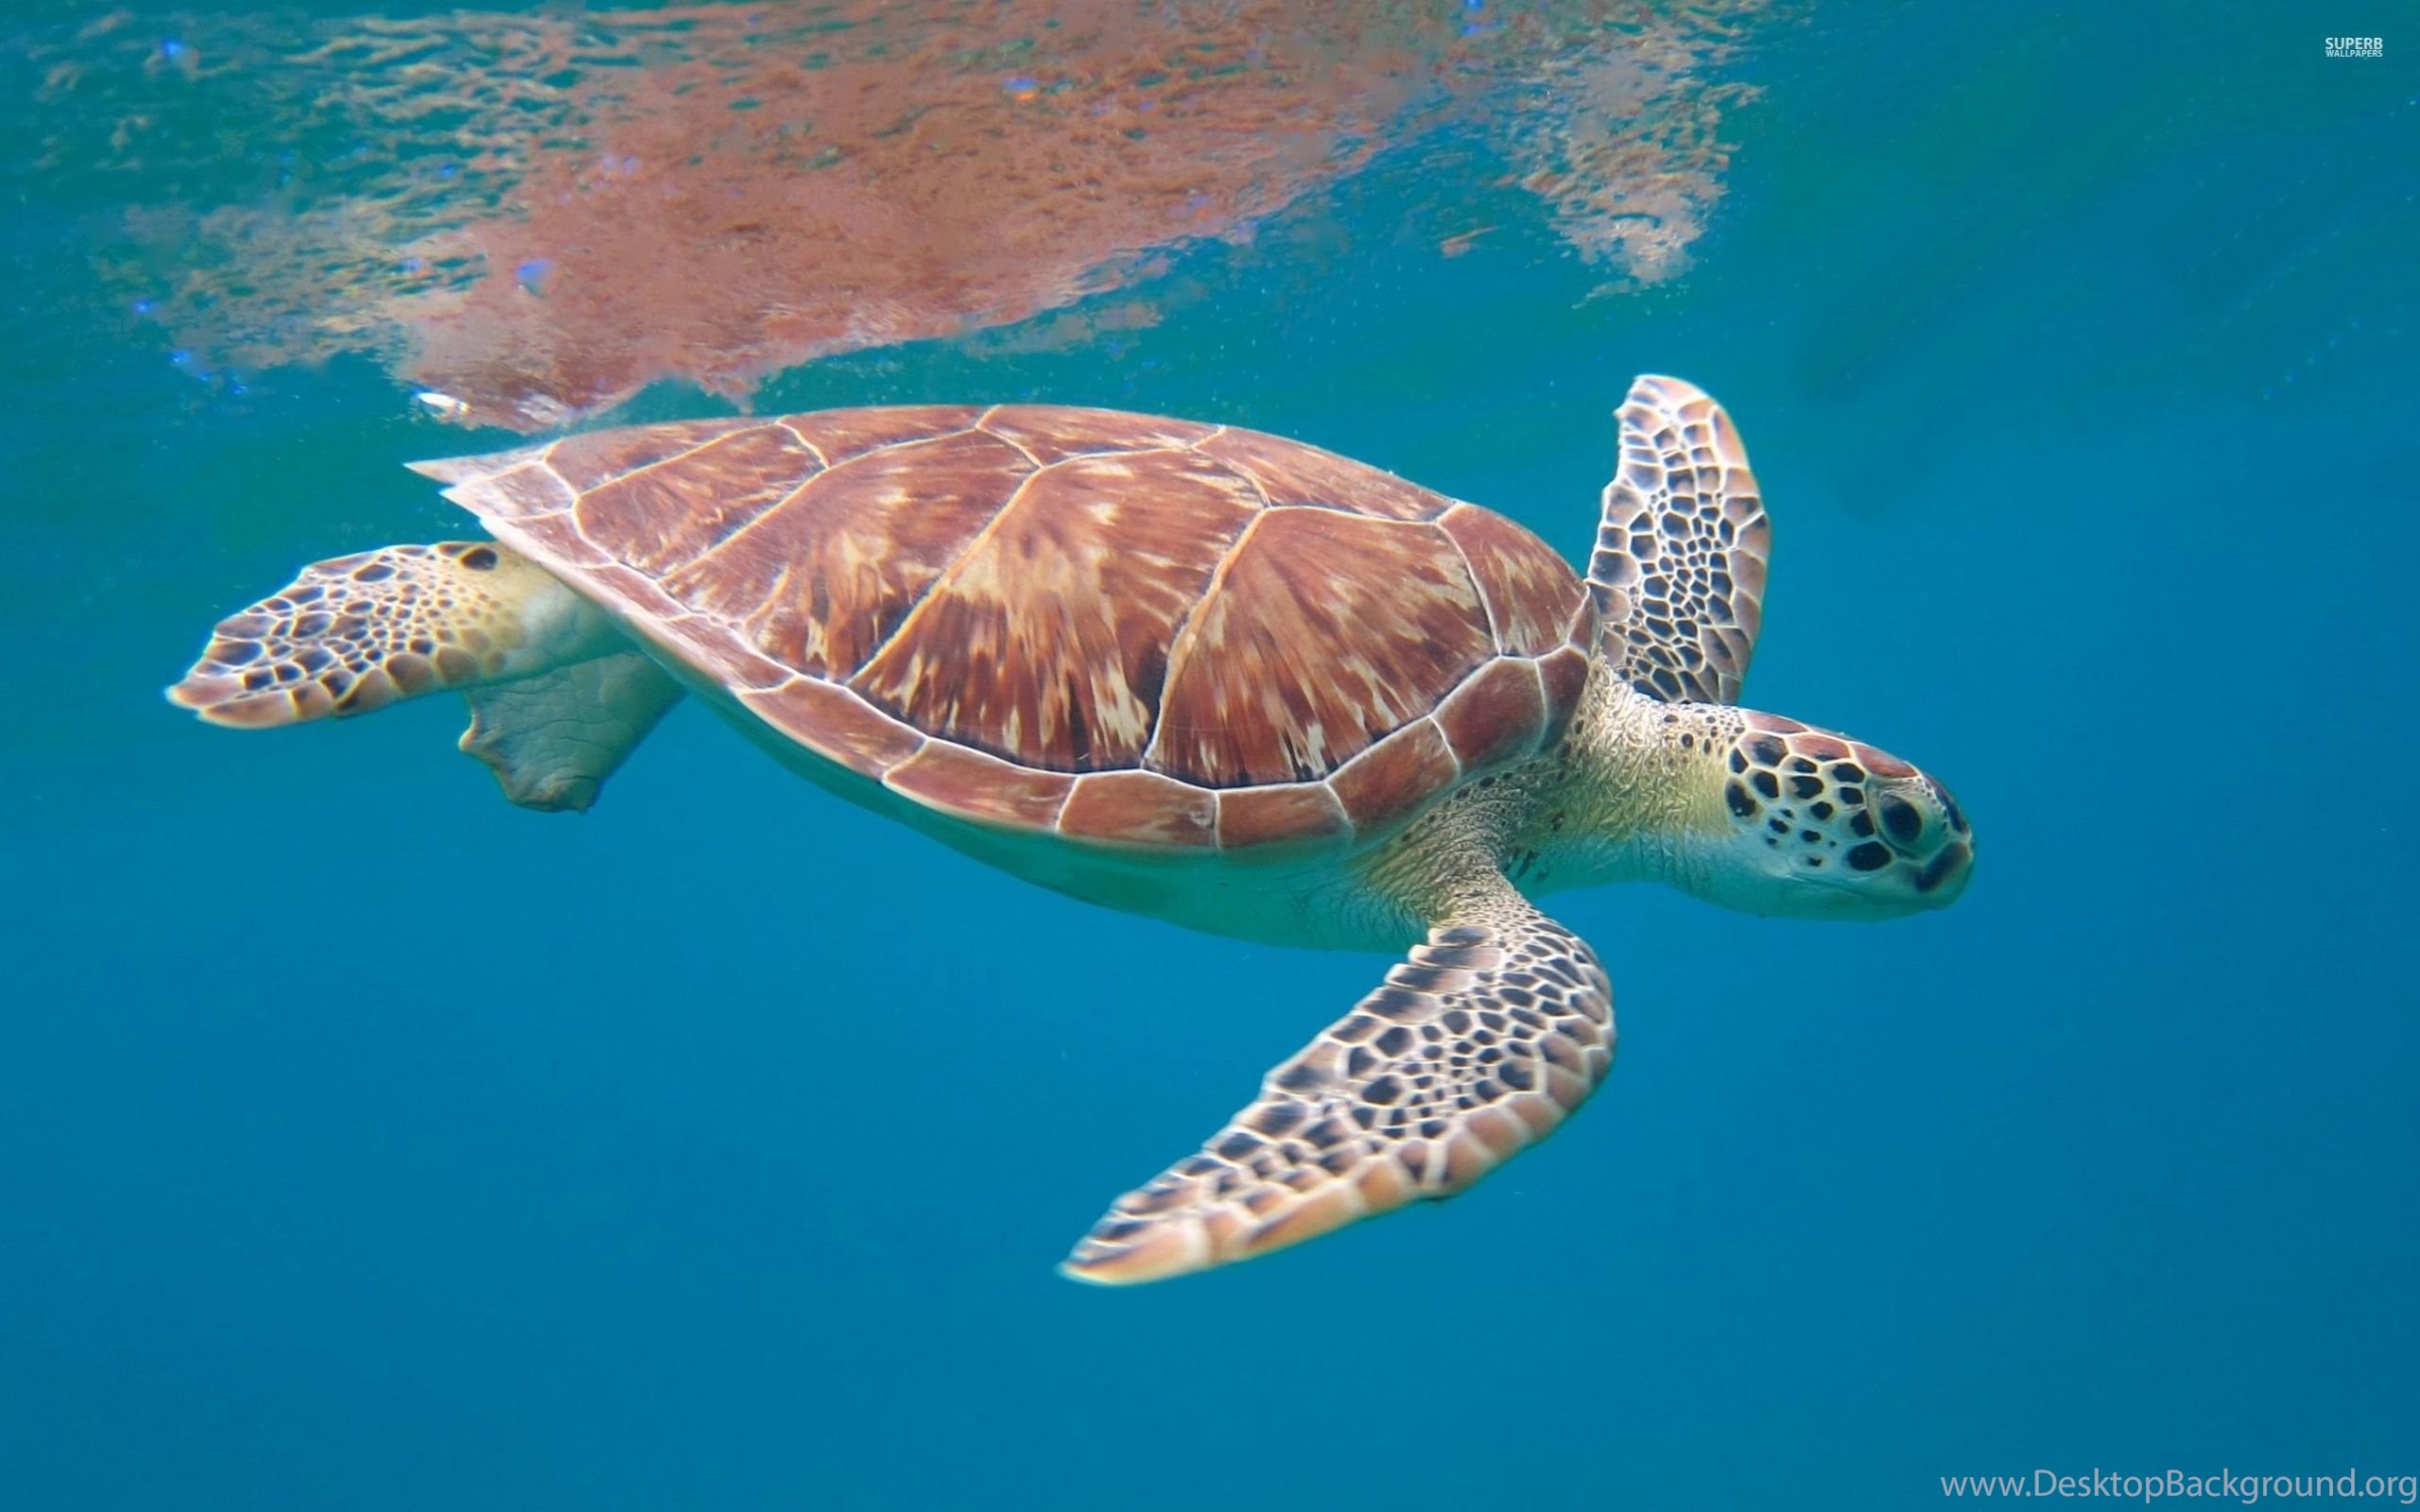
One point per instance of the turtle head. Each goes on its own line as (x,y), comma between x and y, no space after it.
(1817,825)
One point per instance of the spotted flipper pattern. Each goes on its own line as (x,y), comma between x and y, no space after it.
(552,740)
(1480,1044)
(357,633)
(1679,570)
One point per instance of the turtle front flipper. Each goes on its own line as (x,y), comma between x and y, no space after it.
(1679,570)
(553,739)
(357,633)
(1480,1044)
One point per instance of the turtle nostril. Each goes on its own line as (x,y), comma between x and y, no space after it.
(1900,819)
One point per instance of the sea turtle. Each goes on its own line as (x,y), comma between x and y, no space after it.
(1187,670)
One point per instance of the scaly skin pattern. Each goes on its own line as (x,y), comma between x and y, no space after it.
(1756,812)
(1499,1023)
(1493,1031)
(357,633)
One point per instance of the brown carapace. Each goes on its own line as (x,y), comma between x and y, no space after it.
(1120,628)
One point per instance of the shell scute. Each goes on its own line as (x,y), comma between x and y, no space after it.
(1531,592)
(1047,641)
(1140,808)
(596,458)
(1291,472)
(1565,676)
(976,786)
(533,489)
(1496,715)
(841,434)
(1328,632)
(1397,776)
(647,597)
(824,578)
(657,519)
(1054,432)
(826,718)
(1291,812)
(555,540)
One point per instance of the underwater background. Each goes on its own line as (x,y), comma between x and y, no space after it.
(365,1142)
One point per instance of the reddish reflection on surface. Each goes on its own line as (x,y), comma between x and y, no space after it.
(539,215)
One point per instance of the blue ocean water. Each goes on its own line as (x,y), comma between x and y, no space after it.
(367,1143)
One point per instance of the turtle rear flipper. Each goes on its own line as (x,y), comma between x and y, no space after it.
(359,633)
(553,739)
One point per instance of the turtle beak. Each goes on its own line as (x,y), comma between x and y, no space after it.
(1938,881)
(1938,856)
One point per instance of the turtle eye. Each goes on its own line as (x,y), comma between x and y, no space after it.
(1902,822)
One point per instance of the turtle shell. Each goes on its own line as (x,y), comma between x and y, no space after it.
(1120,628)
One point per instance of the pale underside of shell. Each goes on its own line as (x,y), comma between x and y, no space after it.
(1118,628)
